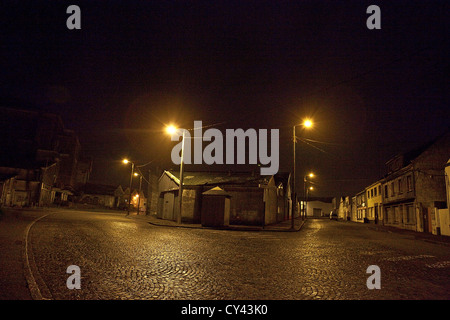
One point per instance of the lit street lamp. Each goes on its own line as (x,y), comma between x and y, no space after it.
(140,188)
(126,161)
(307,124)
(306,192)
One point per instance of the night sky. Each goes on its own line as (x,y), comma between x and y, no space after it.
(136,66)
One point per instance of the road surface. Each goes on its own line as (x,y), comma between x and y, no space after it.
(123,257)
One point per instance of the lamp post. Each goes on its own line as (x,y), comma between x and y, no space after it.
(140,188)
(126,161)
(172,130)
(307,123)
(305,193)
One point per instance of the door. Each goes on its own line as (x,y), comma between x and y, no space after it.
(317,212)
(168,206)
(427,220)
(376,214)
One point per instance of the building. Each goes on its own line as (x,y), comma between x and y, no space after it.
(361,206)
(25,185)
(139,202)
(96,195)
(317,207)
(254,199)
(341,208)
(443,215)
(353,215)
(414,186)
(39,165)
(153,190)
(374,203)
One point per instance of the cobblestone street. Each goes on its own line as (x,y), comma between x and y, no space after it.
(128,258)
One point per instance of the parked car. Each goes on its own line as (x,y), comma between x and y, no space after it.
(333,215)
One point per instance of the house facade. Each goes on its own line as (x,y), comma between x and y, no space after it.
(317,207)
(353,209)
(361,206)
(374,203)
(443,215)
(415,187)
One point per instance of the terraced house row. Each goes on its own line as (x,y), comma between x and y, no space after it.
(413,194)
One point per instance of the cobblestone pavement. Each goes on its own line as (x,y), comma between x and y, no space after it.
(127,258)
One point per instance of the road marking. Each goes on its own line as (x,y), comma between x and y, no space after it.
(36,292)
(439,265)
(407,258)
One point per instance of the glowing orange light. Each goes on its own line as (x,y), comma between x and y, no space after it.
(171,129)
(307,123)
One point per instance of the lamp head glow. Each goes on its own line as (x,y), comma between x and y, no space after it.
(125,161)
(307,123)
(171,129)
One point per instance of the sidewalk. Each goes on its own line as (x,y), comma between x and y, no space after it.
(429,237)
(285,226)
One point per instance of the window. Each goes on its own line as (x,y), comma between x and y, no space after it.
(397,217)
(371,193)
(280,190)
(409,183)
(389,212)
(391,189)
(410,216)
(375,191)
(386,191)
(400,186)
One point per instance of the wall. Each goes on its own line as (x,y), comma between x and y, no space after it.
(405,215)
(271,203)
(95,200)
(444,221)
(166,183)
(428,167)
(341,208)
(447,182)
(191,206)
(374,201)
(247,205)
(153,192)
(353,209)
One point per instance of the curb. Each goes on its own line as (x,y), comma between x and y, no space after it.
(416,235)
(36,285)
(224,228)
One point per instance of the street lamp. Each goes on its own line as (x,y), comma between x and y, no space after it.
(172,130)
(307,124)
(126,161)
(140,189)
(306,193)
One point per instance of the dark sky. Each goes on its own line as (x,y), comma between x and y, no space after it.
(137,65)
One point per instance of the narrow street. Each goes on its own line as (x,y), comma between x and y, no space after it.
(127,258)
